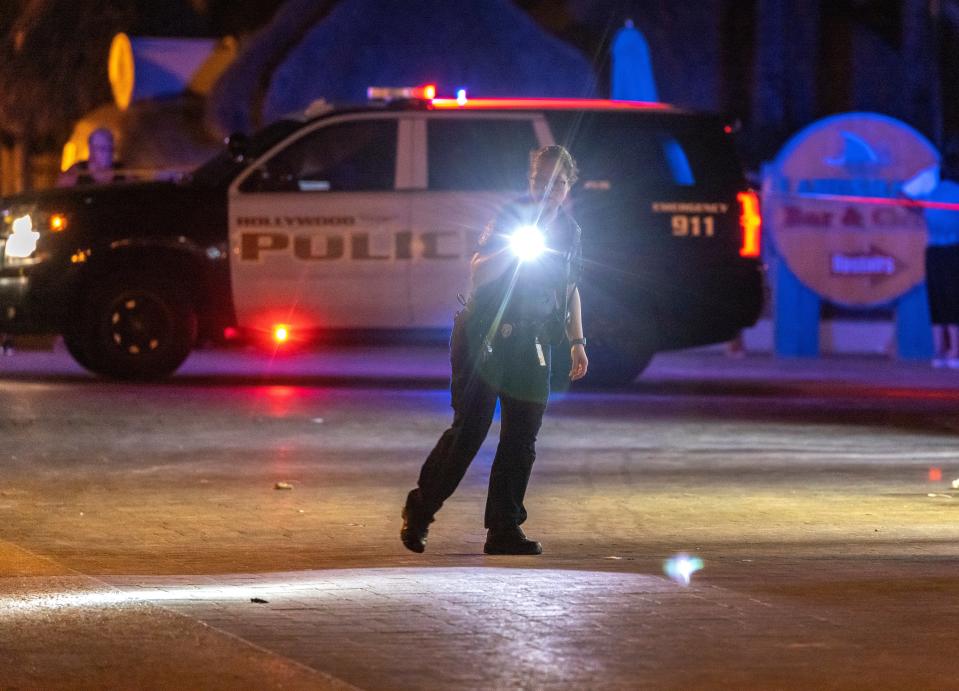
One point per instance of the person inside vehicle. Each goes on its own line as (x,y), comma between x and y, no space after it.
(500,349)
(99,168)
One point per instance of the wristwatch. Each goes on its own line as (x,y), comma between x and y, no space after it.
(577,341)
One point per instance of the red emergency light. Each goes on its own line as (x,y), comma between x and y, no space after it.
(464,103)
(750,222)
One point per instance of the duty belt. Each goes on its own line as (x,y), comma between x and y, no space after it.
(507,327)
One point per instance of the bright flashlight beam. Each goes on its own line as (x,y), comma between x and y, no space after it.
(682,567)
(527,242)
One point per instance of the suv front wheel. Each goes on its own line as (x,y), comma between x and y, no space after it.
(136,327)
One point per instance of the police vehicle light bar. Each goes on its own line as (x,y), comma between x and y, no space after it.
(462,102)
(427,94)
(391,93)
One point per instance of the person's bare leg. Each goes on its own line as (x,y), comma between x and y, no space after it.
(938,345)
(952,345)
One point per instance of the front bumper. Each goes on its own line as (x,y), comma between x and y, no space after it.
(19,309)
(14,316)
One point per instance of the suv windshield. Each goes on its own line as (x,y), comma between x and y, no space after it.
(220,169)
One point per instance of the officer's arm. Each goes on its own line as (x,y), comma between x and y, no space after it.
(487,267)
(579,363)
(574,328)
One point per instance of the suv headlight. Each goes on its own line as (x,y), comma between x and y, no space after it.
(21,235)
(22,242)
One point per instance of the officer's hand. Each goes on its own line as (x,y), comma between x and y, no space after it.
(580,362)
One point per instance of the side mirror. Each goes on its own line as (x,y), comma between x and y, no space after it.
(237,145)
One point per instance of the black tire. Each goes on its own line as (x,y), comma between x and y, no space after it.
(611,367)
(136,328)
(608,368)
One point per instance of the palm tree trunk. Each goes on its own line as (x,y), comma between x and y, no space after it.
(787,38)
(20,165)
(769,103)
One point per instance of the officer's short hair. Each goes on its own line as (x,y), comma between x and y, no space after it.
(551,158)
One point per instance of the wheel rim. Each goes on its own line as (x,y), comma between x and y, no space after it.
(138,324)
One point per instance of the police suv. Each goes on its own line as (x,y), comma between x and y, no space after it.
(361,220)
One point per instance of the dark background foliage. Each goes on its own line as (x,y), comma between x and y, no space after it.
(776,65)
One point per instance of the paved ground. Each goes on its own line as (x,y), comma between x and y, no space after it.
(140,529)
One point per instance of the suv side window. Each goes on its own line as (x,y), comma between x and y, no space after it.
(642,155)
(473,154)
(357,156)
(633,152)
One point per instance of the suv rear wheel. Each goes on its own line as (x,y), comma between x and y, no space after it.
(612,367)
(135,327)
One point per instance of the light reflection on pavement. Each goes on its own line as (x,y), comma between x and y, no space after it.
(137,521)
(467,626)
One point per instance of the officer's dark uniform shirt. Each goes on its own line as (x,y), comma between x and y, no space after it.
(85,177)
(513,318)
(539,291)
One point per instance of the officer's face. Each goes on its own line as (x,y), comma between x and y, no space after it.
(550,185)
(101,152)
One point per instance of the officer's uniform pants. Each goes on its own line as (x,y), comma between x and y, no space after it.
(521,384)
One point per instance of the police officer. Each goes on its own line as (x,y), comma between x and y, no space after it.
(521,302)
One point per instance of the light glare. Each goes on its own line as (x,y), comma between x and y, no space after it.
(281,333)
(682,567)
(527,242)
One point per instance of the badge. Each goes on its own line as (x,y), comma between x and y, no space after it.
(505,330)
(539,354)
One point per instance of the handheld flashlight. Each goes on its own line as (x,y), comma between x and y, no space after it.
(527,242)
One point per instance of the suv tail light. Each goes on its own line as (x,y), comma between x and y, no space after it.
(750,222)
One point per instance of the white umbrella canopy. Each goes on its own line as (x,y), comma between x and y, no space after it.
(334,49)
(489,47)
(236,100)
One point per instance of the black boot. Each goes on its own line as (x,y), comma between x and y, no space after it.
(511,540)
(415,525)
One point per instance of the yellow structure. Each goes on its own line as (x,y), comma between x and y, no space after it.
(147,68)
